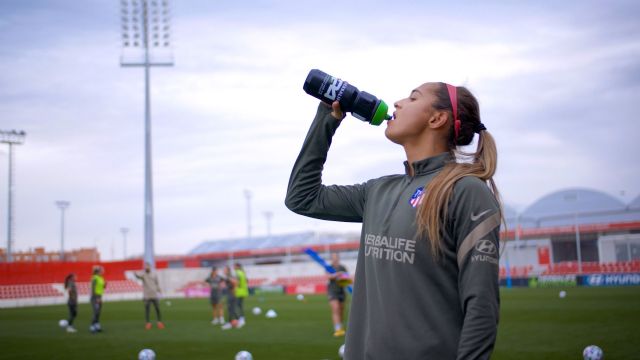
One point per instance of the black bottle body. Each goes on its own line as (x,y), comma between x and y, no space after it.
(361,104)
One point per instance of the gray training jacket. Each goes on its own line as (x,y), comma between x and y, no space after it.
(406,304)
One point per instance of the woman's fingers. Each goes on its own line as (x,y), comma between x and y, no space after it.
(337,111)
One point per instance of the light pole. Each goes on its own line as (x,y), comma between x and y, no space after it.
(574,197)
(124,232)
(268,215)
(146,34)
(579,251)
(62,205)
(247,195)
(11,138)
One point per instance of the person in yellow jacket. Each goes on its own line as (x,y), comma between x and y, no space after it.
(242,291)
(98,284)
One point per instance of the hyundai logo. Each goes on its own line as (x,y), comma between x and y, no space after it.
(486,247)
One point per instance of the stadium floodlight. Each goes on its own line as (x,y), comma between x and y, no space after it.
(247,195)
(146,33)
(124,232)
(11,138)
(62,205)
(268,216)
(146,42)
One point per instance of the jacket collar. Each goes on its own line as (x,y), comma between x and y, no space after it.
(430,164)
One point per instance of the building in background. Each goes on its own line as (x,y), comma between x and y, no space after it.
(39,254)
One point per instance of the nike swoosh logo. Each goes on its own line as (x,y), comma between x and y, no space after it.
(476,217)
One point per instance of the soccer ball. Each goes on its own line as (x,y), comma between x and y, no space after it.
(300,297)
(341,351)
(257,311)
(562,294)
(271,314)
(63,323)
(244,355)
(147,354)
(592,352)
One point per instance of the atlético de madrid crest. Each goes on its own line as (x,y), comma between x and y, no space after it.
(416,198)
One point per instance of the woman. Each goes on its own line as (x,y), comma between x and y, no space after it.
(214,280)
(336,294)
(242,292)
(98,285)
(72,300)
(231,282)
(426,284)
(150,294)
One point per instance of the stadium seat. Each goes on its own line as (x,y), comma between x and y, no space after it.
(28,291)
(257,282)
(301,280)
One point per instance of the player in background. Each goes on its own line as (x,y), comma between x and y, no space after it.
(215,280)
(242,291)
(150,294)
(98,285)
(231,282)
(72,301)
(337,295)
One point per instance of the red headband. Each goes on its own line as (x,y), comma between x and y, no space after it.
(453,96)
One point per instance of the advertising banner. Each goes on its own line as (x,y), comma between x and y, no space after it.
(611,279)
(306,289)
(543,255)
(553,281)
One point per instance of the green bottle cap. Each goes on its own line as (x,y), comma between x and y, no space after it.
(381,114)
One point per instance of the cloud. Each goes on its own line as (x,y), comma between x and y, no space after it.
(557,89)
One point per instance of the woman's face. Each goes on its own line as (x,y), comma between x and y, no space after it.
(335,260)
(410,119)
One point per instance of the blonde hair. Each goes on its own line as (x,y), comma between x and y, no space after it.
(432,213)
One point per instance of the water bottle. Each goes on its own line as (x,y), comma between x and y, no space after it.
(361,104)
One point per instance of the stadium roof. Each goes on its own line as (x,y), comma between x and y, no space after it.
(273,241)
(635,204)
(586,206)
(560,208)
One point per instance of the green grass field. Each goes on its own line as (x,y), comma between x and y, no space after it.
(534,324)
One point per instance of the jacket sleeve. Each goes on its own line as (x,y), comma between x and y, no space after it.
(476,230)
(306,195)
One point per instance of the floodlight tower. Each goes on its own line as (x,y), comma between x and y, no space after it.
(62,205)
(268,216)
(146,42)
(11,138)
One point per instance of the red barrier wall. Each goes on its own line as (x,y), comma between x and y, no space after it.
(55,272)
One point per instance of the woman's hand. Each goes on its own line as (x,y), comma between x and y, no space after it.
(337,112)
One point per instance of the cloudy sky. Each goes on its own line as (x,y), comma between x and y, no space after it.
(558,84)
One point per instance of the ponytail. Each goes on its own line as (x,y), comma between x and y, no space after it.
(432,213)
(67,281)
